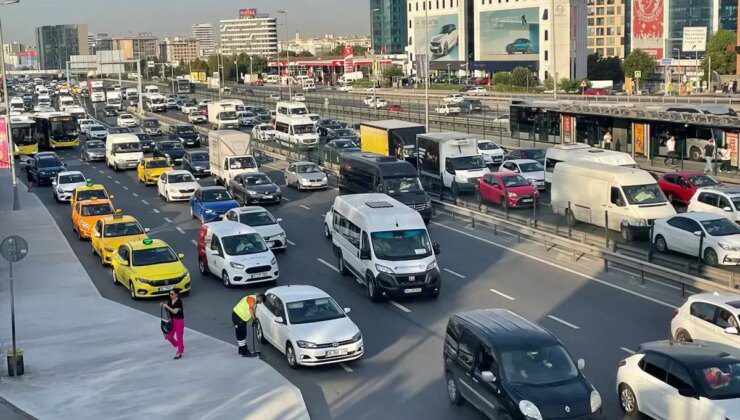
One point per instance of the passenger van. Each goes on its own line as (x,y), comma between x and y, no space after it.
(586,191)
(43,100)
(65,101)
(123,151)
(148,89)
(384,245)
(155,102)
(291,109)
(569,152)
(297,131)
(369,172)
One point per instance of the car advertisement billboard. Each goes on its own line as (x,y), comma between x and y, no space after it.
(647,27)
(443,37)
(510,35)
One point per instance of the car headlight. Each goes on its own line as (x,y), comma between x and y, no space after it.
(529,410)
(273,261)
(642,222)
(512,195)
(251,192)
(595,401)
(209,211)
(277,191)
(728,247)
(432,265)
(357,337)
(306,344)
(145,281)
(167,155)
(384,269)
(324,179)
(84,224)
(304,181)
(236,265)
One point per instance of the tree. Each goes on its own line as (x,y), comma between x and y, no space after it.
(604,68)
(638,60)
(357,50)
(522,77)
(723,59)
(502,78)
(392,71)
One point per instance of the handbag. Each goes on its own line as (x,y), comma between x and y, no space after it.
(165,323)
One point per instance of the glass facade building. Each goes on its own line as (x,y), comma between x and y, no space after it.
(389,26)
(728,15)
(58,42)
(683,14)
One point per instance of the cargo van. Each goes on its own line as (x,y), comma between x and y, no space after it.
(123,151)
(587,191)
(291,109)
(453,157)
(296,131)
(570,152)
(384,245)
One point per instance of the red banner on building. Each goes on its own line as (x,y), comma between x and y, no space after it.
(647,26)
(4,147)
(349,59)
(247,13)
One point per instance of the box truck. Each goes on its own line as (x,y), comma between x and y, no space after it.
(222,115)
(230,154)
(390,138)
(451,158)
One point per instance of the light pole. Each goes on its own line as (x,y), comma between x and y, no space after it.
(236,63)
(426,66)
(554,53)
(372,48)
(8,131)
(287,54)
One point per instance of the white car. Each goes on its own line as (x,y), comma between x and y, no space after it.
(205,102)
(188,109)
(681,381)
(446,108)
(492,153)
(84,123)
(176,184)
(501,121)
(476,90)
(530,169)
(719,237)
(308,326)
(247,119)
(65,183)
(96,132)
(263,132)
(345,88)
(708,317)
(443,42)
(724,201)
(298,97)
(263,222)
(126,120)
(455,98)
(274,97)
(196,117)
(378,103)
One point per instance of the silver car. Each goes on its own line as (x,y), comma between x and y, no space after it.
(306,176)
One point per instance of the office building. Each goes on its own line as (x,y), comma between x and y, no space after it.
(389,29)
(56,43)
(324,45)
(144,45)
(605,27)
(251,34)
(176,50)
(103,42)
(91,43)
(203,32)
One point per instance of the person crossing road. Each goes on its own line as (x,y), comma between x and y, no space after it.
(241,315)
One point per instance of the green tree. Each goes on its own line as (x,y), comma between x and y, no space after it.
(604,68)
(719,49)
(392,71)
(502,78)
(638,60)
(358,50)
(522,77)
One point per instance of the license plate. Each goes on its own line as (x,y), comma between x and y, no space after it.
(256,276)
(527,200)
(268,197)
(166,288)
(336,352)
(413,290)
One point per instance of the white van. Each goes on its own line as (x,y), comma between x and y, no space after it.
(122,151)
(132,94)
(16,104)
(570,152)
(296,131)
(384,244)
(151,89)
(64,102)
(309,86)
(291,109)
(586,191)
(43,100)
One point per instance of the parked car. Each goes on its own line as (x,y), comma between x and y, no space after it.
(248,188)
(715,238)
(335,149)
(724,201)
(210,203)
(680,186)
(708,317)
(196,162)
(261,220)
(530,169)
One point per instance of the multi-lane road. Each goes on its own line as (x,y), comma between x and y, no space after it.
(599,316)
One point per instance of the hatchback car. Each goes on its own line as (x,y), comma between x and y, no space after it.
(306,176)
(492,153)
(262,221)
(724,201)
(680,186)
(149,268)
(530,169)
(507,190)
(65,183)
(210,203)
(708,317)
(93,150)
(96,132)
(176,185)
(714,237)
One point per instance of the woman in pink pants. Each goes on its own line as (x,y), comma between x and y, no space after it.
(174,307)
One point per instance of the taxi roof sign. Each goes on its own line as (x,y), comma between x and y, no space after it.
(147,241)
(88,184)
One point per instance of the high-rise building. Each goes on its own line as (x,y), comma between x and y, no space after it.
(203,32)
(91,42)
(605,27)
(389,25)
(103,42)
(175,50)
(251,34)
(137,47)
(57,43)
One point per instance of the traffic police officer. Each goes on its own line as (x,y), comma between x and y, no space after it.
(244,312)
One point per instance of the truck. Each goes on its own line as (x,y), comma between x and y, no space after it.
(222,115)
(450,160)
(350,77)
(97,91)
(391,138)
(230,154)
(132,94)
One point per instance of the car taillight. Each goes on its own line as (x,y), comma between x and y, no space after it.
(675,312)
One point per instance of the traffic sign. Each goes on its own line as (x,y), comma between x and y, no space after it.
(638,74)
(583,83)
(666,61)
(14,248)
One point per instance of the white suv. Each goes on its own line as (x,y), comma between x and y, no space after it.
(724,201)
(709,317)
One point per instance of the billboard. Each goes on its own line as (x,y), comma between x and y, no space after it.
(647,27)
(4,147)
(510,35)
(247,13)
(694,38)
(443,42)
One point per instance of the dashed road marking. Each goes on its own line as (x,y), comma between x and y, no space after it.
(179,229)
(564,322)
(502,294)
(99,170)
(125,188)
(625,349)
(346,368)
(145,202)
(305,207)
(116,181)
(135,195)
(155,210)
(322,261)
(168,220)
(109,177)
(399,306)
(194,242)
(291,243)
(286,198)
(454,273)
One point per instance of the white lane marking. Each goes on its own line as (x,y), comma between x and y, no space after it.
(290,242)
(286,198)
(155,210)
(305,207)
(635,276)
(564,322)
(454,273)
(399,306)
(322,261)
(194,242)
(179,229)
(346,368)
(101,171)
(116,181)
(168,220)
(627,350)
(574,272)
(135,195)
(145,202)
(125,188)
(109,177)
(87,163)
(504,295)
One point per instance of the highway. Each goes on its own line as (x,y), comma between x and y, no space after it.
(601,317)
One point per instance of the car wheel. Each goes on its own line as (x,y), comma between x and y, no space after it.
(342,265)
(683,336)
(115,279)
(627,399)
(327,232)
(455,189)
(132,291)
(290,356)
(258,332)
(710,257)
(670,198)
(202,267)
(660,244)
(372,289)
(570,218)
(695,153)
(56,196)
(453,390)
(627,233)
(225,279)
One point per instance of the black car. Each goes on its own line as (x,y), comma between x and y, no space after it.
(261,111)
(471,105)
(42,169)
(151,126)
(185,134)
(170,150)
(509,367)
(334,149)
(147,142)
(325,124)
(110,111)
(342,133)
(197,162)
(534,153)
(93,150)
(119,130)
(249,188)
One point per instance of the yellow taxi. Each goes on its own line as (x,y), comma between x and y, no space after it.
(86,213)
(150,169)
(111,232)
(89,191)
(149,268)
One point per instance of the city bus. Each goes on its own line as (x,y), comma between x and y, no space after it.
(23,130)
(56,130)
(183,86)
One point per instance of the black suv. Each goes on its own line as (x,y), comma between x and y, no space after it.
(185,134)
(511,368)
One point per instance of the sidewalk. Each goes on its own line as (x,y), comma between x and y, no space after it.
(88,357)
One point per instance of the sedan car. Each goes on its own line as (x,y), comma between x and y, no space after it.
(84,123)
(324,125)
(708,317)
(263,222)
(109,233)
(506,189)
(257,187)
(170,150)
(197,163)
(65,183)
(263,132)
(534,153)
(86,213)
(110,111)
(149,268)
(210,203)
(718,237)
(185,134)
(171,103)
(93,150)
(345,88)
(151,126)
(306,176)
(680,186)
(342,133)
(126,120)
(530,169)
(335,149)
(308,326)
(96,132)
(196,117)
(176,185)
(455,98)
(149,169)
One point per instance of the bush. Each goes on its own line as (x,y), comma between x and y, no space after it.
(502,78)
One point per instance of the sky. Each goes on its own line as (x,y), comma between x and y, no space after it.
(175,17)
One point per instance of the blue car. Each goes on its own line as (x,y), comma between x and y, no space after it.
(210,203)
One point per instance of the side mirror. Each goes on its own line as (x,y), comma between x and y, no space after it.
(727,209)
(689,393)
(279,219)
(436,248)
(364,254)
(346,310)
(180,255)
(488,376)
(97,234)
(124,263)
(146,230)
(581,364)
(731,330)
(279,320)
(697,233)
(54,182)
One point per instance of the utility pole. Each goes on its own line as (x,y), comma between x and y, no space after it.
(287,54)
(553,52)
(426,67)
(8,131)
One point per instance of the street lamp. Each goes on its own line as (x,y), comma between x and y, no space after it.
(8,131)
(287,54)
(426,66)
(372,49)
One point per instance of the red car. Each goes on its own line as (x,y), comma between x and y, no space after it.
(680,186)
(595,92)
(507,189)
(393,108)
(258,82)
(482,81)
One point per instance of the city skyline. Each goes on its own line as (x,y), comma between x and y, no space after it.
(169,18)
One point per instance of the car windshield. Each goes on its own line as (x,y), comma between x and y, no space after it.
(228,115)
(399,245)
(158,163)
(257,218)
(402,184)
(150,123)
(97,209)
(151,256)
(720,381)
(171,145)
(535,154)
(216,195)
(538,365)
(703,180)
(313,310)
(257,180)
(344,133)
(97,128)
(95,145)
(531,167)
(202,156)
(127,147)
(249,243)
(720,227)
(179,178)
(467,162)
(244,162)
(143,137)
(644,194)
(308,169)
(303,129)
(515,181)
(50,162)
(488,145)
(72,178)
(344,144)
(91,194)
(122,229)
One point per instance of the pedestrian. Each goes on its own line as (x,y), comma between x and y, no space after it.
(177,316)
(29,177)
(670,144)
(241,315)
(709,150)
(607,140)
(724,154)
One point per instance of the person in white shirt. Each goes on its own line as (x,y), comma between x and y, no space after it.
(607,140)
(670,144)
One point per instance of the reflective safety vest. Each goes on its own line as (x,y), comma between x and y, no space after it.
(242,308)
